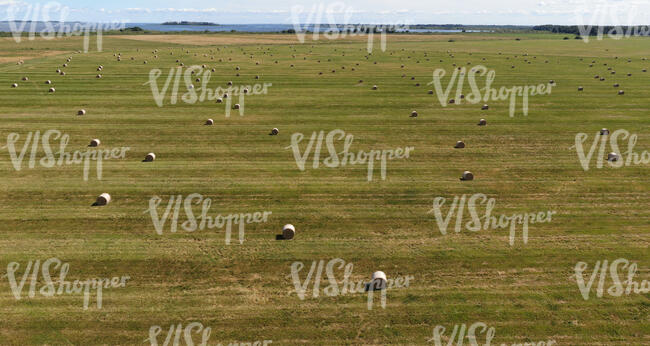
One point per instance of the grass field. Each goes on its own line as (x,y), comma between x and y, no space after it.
(244,292)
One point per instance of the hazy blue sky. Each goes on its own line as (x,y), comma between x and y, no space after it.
(524,12)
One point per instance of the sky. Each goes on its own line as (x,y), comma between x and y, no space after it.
(405,12)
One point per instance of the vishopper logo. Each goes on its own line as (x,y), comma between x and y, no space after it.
(606,18)
(64,287)
(33,15)
(178,335)
(64,158)
(613,158)
(473,335)
(193,94)
(346,157)
(338,16)
(486,93)
(347,286)
(613,269)
(487,220)
(204,221)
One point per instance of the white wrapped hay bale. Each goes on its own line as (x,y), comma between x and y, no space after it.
(288,231)
(274,132)
(580,88)
(98,76)
(621,92)
(102,200)
(81,112)
(151,157)
(219,100)
(485,107)
(604,132)
(374,87)
(25,79)
(15,85)
(612,157)
(482,122)
(414,114)
(236,106)
(209,122)
(94,143)
(459,145)
(378,282)
(48,82)
(467,175)
(52,90)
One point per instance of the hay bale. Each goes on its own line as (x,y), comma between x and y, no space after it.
(58,71)
(551,82)
(245,90)
(485,107)
(378,282)
(81,112)
(209,122)
(98,76)
(288,232)
(612,157)
(62,73)
(219,100)
(95,143)
(604,132)
(25,79)
(452,101)
(151,157)
(621,92)
(459,145)
(467,175)
(482,122)
(414,114)
(430,92)
(580,88)
(102,200)
(48,82)
(236,106)
(52,90)
(257,77)
(15,85)
(616,85)
(274,132)
(374,87)
(229,83)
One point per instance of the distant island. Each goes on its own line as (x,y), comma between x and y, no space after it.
(190,23)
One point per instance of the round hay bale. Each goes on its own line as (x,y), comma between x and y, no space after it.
(604,132)
(452,101)
(52,90)
(236,106)
(94,143)
(430,92)
(151,157)
(245,90)
(482,122)
(15,85)
(551,82)
(459,145)
(98,76)
(58,71)
(219,100)
(616,85)
(485,107)
(257,77)
(580,88)
(644,70)
(102,200)
(225,95)
(621,92)
(612,157)
(62,73)
(237,68)
(288,231)
(65,65)
(414,114)
(374,87)
(629,75)
(48,82)
(25,79)
(209,122)
(81,112)
(596,76)
(274,132)
(198,80)
(467,175)
(378,282)
(229,83)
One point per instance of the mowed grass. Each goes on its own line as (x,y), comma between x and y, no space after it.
(244,292)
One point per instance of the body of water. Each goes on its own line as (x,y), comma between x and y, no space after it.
(40,26)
